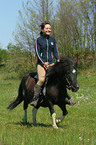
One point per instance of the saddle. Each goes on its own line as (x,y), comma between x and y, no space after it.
(35,76)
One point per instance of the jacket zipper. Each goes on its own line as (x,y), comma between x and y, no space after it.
(47,49)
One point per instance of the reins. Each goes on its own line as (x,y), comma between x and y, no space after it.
(69,84)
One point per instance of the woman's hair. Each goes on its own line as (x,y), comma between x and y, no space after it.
(43,25)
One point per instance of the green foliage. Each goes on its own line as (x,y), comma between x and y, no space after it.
(20,61)
(3,56)
(78,127)
(21,65)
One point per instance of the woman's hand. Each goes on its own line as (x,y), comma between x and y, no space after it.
(46,65)
(51,64)
(58,60)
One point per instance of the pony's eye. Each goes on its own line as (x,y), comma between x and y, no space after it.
(74,71)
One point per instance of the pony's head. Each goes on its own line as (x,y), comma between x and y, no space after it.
(66,72)
(69,73)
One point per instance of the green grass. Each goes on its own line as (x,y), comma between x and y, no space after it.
(78,127)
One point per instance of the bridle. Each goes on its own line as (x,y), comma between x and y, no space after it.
(69,86)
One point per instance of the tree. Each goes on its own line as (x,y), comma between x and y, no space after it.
(3,56)
(67,27)
(75,28)
(94,21)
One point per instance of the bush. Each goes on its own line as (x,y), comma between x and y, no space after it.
(3,56)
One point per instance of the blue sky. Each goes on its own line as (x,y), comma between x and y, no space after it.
(8,19)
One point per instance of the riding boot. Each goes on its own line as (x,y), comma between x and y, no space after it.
(35,99)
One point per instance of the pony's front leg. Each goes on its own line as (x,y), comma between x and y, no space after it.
(54,120)
(53,114)
(65,112)
(24,120)
(34,112)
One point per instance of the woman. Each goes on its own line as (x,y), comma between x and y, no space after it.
(45,49)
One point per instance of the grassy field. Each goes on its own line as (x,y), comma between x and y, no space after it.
(78,128)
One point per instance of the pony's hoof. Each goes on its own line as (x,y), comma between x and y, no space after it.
(55,126)
(58,121)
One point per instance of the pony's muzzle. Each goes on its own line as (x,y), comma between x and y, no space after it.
(77,87)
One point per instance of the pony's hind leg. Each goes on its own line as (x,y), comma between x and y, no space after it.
(34,112)
(24,120)
(25,106)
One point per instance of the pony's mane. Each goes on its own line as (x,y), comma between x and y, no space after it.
(66,60)
(64,65)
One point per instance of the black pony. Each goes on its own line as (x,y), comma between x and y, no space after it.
(61,76)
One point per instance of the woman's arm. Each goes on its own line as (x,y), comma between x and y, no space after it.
(38,52)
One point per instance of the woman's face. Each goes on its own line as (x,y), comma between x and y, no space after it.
(47,29)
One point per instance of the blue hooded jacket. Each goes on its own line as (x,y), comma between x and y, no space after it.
(45,49)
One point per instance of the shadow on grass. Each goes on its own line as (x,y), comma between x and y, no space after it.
(44,125)
(21,124)
(29,125)
(50,126)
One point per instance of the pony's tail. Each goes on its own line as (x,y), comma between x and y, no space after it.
(16,102)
